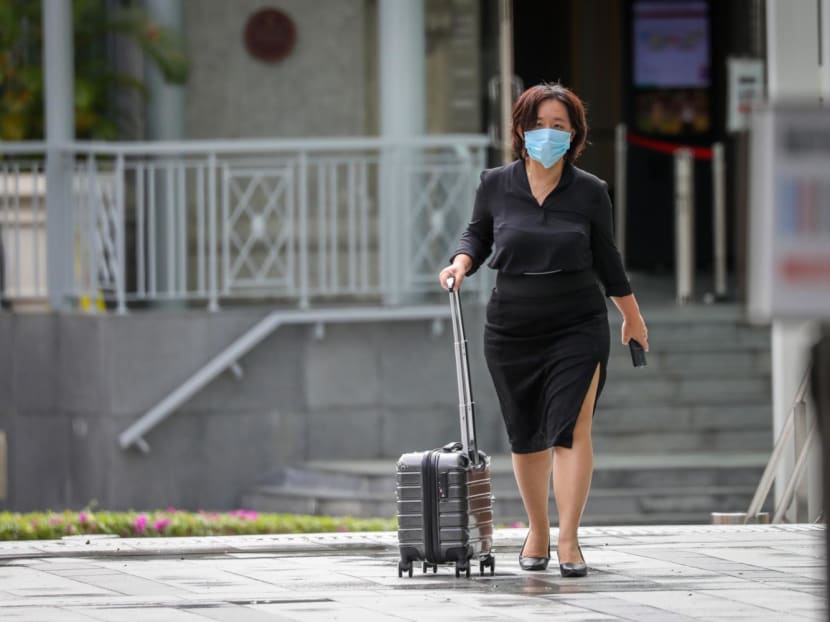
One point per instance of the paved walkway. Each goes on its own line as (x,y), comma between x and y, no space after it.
(646,574)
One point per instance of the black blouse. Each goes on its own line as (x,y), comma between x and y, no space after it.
(571,231)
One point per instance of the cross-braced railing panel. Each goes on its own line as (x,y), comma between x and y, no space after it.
(441,201)
(96,225)
(259,223)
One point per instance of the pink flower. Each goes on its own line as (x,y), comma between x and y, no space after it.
(82,518)
(70,528)
(55,520)
(517,525)
(141,523)
(341,528)
(171,510)
(161,524)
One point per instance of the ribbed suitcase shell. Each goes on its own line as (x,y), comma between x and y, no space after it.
(445,510)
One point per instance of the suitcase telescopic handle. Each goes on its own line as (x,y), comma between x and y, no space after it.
(466,406)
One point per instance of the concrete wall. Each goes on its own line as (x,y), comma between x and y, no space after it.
(318,90)
(69,384)
(328,86)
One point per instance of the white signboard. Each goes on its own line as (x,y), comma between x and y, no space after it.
(746,88)
(789,214)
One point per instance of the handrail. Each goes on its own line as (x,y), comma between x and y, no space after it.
(787,431)
(228,358)
(259,145)
(244,145)
(795,478)
(22,147)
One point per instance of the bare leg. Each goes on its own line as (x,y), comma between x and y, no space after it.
(532,473)
(572,471)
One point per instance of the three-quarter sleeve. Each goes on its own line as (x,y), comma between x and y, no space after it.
(477,239)
(607,261)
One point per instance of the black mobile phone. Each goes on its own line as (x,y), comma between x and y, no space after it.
(638,355)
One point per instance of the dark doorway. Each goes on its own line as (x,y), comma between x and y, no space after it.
(542,41)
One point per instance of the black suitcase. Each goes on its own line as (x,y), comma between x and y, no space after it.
(444,496)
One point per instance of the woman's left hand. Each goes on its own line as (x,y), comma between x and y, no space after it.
(635,328)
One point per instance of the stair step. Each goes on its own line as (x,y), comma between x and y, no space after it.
(605,506)
(690,391)
(674,365)
(653,488)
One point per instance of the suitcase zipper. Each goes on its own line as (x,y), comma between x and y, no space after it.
(432,544)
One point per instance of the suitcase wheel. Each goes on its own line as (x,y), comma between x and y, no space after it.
(466,570)
(404,567)
(487,561)
(426,567)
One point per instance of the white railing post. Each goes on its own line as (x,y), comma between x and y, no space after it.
(303,181)
(684,224)
(620,186)
(719,218)
(213,282)
(92,229)
(120,224)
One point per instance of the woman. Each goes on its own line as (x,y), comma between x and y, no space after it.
(546,338)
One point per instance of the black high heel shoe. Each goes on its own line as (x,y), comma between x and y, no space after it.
(533,563)
(574,569)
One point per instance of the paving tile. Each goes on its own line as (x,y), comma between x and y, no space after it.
(41,614)
(642,574)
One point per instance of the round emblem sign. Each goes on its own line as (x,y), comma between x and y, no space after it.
(270,35)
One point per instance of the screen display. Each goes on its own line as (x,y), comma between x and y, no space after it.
(671,44)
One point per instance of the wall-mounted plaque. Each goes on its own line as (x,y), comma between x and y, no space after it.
(270,35)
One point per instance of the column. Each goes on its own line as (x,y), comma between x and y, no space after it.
(792,73)
(165,106)
(402,53)
(165,117)
(58,70)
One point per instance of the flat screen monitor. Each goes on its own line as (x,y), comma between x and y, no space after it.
(671,44)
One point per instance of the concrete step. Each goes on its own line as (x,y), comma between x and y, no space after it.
(672,441)
(688,391)
(626,489)
(685,418)
(714,363)
(630,429)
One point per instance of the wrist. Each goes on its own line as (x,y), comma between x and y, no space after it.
(464,262)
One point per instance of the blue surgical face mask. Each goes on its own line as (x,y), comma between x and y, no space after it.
(547,146)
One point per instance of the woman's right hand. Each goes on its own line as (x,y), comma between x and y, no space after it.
(460,266)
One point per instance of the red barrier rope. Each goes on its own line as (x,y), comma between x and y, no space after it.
(700,153)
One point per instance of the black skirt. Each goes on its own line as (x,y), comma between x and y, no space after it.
(543,339)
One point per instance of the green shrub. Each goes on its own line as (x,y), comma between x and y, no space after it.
(171,522)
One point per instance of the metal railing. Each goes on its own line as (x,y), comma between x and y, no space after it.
(799,430)
(296,220)
(684,208)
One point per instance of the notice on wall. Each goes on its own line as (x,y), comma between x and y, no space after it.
(789,236)
(745,89)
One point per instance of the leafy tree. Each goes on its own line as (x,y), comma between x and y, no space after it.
(21,70)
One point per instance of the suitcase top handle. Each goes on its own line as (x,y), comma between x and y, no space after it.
(466,409)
